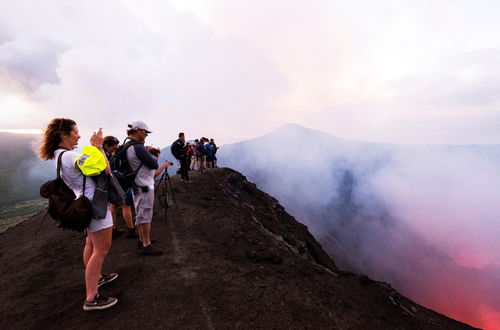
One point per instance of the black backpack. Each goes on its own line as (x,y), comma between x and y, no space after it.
(178,149)
(120,166)
(70,213)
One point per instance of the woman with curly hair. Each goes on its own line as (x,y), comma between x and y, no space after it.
(61,135)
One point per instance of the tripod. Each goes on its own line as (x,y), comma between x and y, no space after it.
(165,178)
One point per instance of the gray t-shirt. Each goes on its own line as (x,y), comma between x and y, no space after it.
(137,155)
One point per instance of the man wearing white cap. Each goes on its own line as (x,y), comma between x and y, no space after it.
(144,164)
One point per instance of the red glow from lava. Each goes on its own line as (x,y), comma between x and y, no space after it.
(457,297)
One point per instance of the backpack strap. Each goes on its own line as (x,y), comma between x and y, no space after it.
(84,181)
(59,161)
(131,142)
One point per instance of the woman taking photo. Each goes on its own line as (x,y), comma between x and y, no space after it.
(61,135)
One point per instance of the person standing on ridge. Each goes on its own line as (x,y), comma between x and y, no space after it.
(214,151)
(189,154)
(61,136)
(144,165)
(194,159)
(209,157)
(201,153)
(178,150)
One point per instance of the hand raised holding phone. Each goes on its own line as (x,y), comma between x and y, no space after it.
(97,138)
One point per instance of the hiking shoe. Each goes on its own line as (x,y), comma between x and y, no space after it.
(151,250)
(106,278)
(131,233)
(139,244)
(99,302)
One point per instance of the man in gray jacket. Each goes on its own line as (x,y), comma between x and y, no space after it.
(144,164)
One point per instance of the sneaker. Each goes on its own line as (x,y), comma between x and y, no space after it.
(139,244)
(99,302)
(151,250)
(106,278)
(131,233)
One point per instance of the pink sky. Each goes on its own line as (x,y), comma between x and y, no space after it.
(400,72)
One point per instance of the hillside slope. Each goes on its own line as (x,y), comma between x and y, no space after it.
(234,260)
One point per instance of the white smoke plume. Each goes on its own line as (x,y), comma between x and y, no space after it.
(422,218)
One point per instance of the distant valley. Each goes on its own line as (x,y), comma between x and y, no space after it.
(21,174)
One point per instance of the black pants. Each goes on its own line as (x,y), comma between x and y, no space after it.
(184,168)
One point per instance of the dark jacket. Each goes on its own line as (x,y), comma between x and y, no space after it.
(200,149)
(177,149)
(107,190)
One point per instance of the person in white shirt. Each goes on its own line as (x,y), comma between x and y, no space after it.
(145,166)
(61,135)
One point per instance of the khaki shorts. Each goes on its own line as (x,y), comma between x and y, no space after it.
(143,203)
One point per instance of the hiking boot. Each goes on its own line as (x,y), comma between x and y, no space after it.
(99,302)
(106,278)
(131,233)
(151,250)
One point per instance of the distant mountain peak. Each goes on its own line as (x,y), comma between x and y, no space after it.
(300,130)
(293,126)
(296,128)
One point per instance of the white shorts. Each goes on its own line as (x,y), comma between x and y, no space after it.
(100,224)
(143,203)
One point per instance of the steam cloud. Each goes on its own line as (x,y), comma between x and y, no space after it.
(424,219)
(421,218)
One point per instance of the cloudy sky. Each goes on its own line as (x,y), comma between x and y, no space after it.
(391,71)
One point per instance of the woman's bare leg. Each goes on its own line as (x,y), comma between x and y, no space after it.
(87,250)
(101,243)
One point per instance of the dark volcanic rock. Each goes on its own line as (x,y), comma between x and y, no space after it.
(234,260)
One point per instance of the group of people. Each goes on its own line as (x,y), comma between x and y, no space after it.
(136,166)
(200,154)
